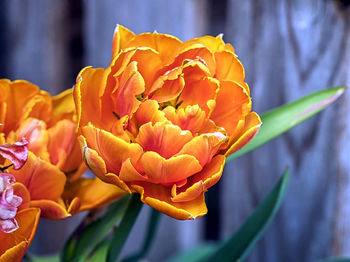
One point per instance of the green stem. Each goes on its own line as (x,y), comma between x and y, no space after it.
(153,224)
(122,232)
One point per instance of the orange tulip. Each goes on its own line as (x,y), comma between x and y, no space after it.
(161,119)
(49,125)
(17,222)
(50,182)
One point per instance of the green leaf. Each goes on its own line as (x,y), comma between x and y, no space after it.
(335,260)
(87,237)
(153,224)
(239,245)
(198,253)
(45,259)
(100,253)
(283,118)
(122,232)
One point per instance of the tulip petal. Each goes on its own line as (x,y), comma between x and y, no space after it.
(131,84)
(12,247)
(21,191)
(191,118)
(201,181)
(164,44)
(61,141)
(232,104)
(86,96)
(112,149)
(193,52)
(17,153)
(148,64)
(50,209)
(204,147)
(121,37)
(214,44)
(63,106)
(230,68)
(34,131)
(163,138)
(15,253)
(168,87)
(149,111)
(251,128)
(92,193)
(199,93)
(168,171)
(43,180)
(129,173)
(15,95)
(159,197)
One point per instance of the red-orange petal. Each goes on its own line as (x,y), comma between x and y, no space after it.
(149,111)
(201,181)
(168,171)
(163,138)
(159,197)
(130,85)
(191,118)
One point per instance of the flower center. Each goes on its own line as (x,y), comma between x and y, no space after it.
(9,203)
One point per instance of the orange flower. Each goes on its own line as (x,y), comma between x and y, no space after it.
(49,125)
(17,222)
(161,119)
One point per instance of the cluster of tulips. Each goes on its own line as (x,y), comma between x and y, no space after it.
(158,123)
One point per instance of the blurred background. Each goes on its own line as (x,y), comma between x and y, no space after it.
(289,48)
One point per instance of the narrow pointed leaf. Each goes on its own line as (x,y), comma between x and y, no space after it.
(283,118)
(153,224)
(335,260)
(122,232)
(199,253)
(239,245)
(87,237)
(100,253)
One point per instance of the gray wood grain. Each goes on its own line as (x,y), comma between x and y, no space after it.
(37,42)
(290,49)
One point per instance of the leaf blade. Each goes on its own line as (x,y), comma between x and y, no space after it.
(80,244)
(238,246)
(279,120)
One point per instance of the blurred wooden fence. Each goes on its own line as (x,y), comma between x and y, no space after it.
(288,48)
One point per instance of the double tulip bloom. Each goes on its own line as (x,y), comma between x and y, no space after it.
(161,119)
(49,181)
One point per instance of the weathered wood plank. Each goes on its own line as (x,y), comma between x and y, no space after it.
(37,43)
(184,19)
(290,49)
